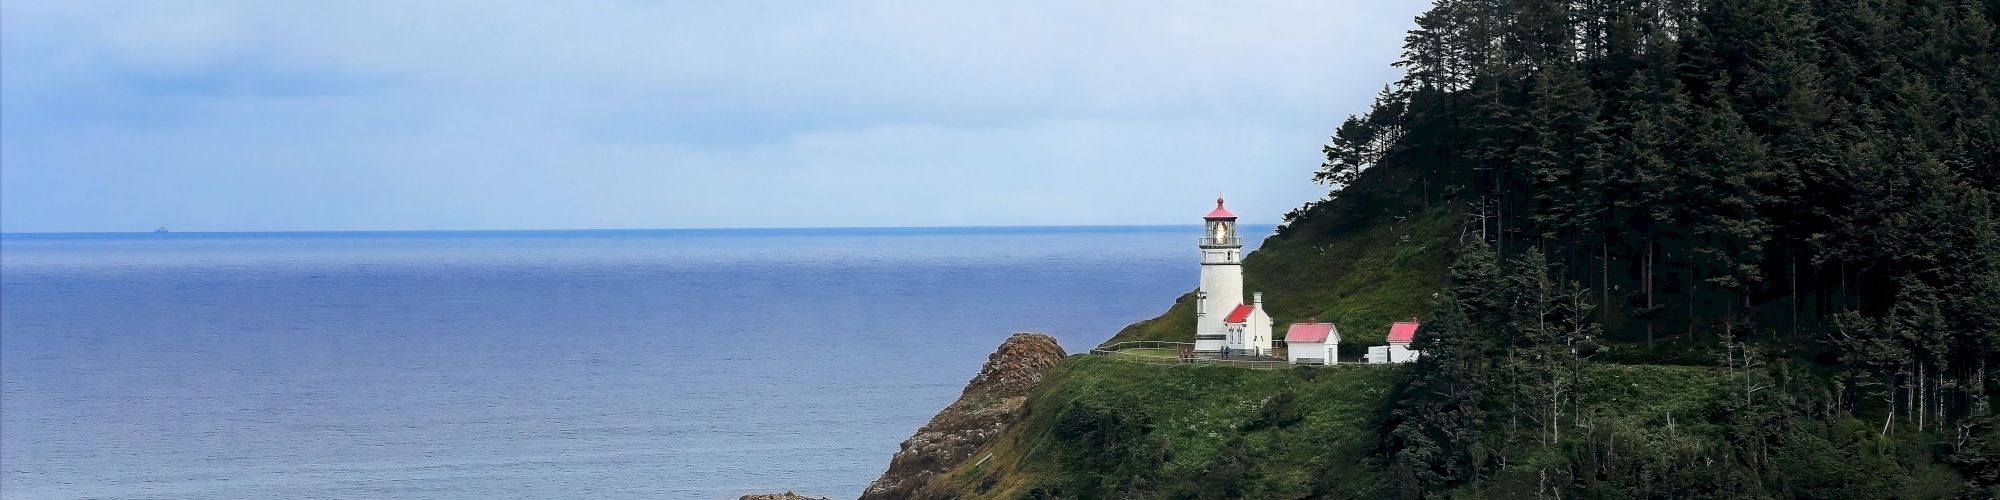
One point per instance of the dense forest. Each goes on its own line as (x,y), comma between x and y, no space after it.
(1799,193)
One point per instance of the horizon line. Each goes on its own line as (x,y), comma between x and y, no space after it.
(550,230)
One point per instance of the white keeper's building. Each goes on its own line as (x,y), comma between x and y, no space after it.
(1222,319)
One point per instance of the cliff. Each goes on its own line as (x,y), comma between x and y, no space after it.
(990,402)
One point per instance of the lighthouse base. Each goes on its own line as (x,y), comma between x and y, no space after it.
(1210,342)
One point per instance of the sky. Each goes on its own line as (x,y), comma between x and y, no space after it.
(226,115)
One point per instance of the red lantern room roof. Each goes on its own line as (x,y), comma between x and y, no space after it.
(1219,213)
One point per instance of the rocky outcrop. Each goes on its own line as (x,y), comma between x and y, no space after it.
(780,496)
(991,401)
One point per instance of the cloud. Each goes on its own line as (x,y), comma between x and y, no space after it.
(419,115)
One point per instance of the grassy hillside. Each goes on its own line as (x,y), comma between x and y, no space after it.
(1104,428)
(1362,279)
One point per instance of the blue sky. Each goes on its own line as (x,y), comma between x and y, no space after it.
(254,115)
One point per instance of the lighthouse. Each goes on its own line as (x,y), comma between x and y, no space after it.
(1222,319)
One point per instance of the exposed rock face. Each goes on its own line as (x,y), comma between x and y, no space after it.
(991,401)
(780,496)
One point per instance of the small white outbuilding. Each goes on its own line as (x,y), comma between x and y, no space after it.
(1312,344)
(1398,350)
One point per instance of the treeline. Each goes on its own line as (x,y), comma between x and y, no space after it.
(1814,179)
(1503,404)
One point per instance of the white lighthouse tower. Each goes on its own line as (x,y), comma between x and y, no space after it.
(1222,319)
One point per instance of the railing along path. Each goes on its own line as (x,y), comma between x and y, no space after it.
(1116,351)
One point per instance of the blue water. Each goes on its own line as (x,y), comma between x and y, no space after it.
(558,364)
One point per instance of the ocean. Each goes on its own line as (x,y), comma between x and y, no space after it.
(525,364)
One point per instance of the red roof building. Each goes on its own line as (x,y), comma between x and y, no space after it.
(1310,332)
(1402,332)
(1239,315)
(1219,213)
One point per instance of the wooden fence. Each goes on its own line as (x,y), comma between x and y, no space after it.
(1137,351)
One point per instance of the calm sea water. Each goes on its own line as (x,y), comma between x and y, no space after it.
(562,364)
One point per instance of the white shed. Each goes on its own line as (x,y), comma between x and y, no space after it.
(1312,344)
(1398,350)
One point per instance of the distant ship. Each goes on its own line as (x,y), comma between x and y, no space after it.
(162,229)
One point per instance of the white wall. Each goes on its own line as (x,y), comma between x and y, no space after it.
(1260,331)
(1203,345)
(1401,353)
(1392,353)
(1328,353)
(1223,282)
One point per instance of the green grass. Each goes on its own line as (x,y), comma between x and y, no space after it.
(1662,407)
(1099,427)
(1175,325)
(1102,428)
(1361,280)
(1149,352)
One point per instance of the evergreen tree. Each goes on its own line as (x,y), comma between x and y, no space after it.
(1441,420)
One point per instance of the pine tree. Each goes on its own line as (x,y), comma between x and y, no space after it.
(1441,418)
